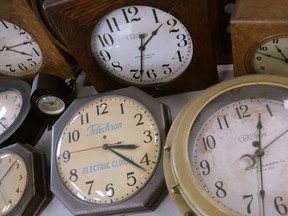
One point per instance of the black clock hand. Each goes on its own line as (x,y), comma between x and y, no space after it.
(123,157)
(7,171)
(270,56)
(280,51)
(22,53)
(151,36)
(125,146)
(260,154)
(8,48)
(141,48)
(253,156)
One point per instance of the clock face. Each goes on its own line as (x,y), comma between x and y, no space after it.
(20,55)
(271,57)
(10,106)
(13,181)
(237,151)
(108,150)
(51,105)
(142,45)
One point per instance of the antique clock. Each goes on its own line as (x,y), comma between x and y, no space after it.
(162,47)
(225,153)
(25,48)
(260,37)
(24,180)
(50,96)
(18,122)
(107,153)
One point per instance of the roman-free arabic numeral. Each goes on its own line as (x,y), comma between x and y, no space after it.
(112,24)
(4,24)
(73,175)
(222,121)
(220,192)
(205,166)
(90,185)
(250,197)
(280,207)
(131,179)
(155,15)
(84,118)
(133,11)
(209,142)
(106,40)
(172,23)
(66,156)
(242,111)
(139,117)
(110,190)
(73,136)
(101,109)
(145,160)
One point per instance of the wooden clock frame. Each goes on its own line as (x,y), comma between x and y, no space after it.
(75,20)
(55,61)
(252,23)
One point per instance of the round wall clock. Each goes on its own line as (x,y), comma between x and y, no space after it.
(225,153)
(20,54)
(259,37)
(18,123)
(142,33)
(24,187)
(50,96)
(25,47)
(107,153)
(161,46)
(269,56)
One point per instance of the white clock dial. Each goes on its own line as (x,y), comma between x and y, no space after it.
(10,106)
(108,150)
(142,45)
(51,105)
(20,55)
(13,180)
(252,165)
(271,57)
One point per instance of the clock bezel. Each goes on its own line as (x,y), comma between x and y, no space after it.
(149,196)
(36,194)
(24,89)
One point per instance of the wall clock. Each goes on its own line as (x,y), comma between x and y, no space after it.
(18,123)
(259,37)
(107,153)
(25,48)
(121,43)
(50,97)
(23,177)
(225,151)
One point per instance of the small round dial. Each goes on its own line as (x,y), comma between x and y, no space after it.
(51,105)
(20,55)
(10,107)
(271,56)
(142,45)
(13,181)
(108,150)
